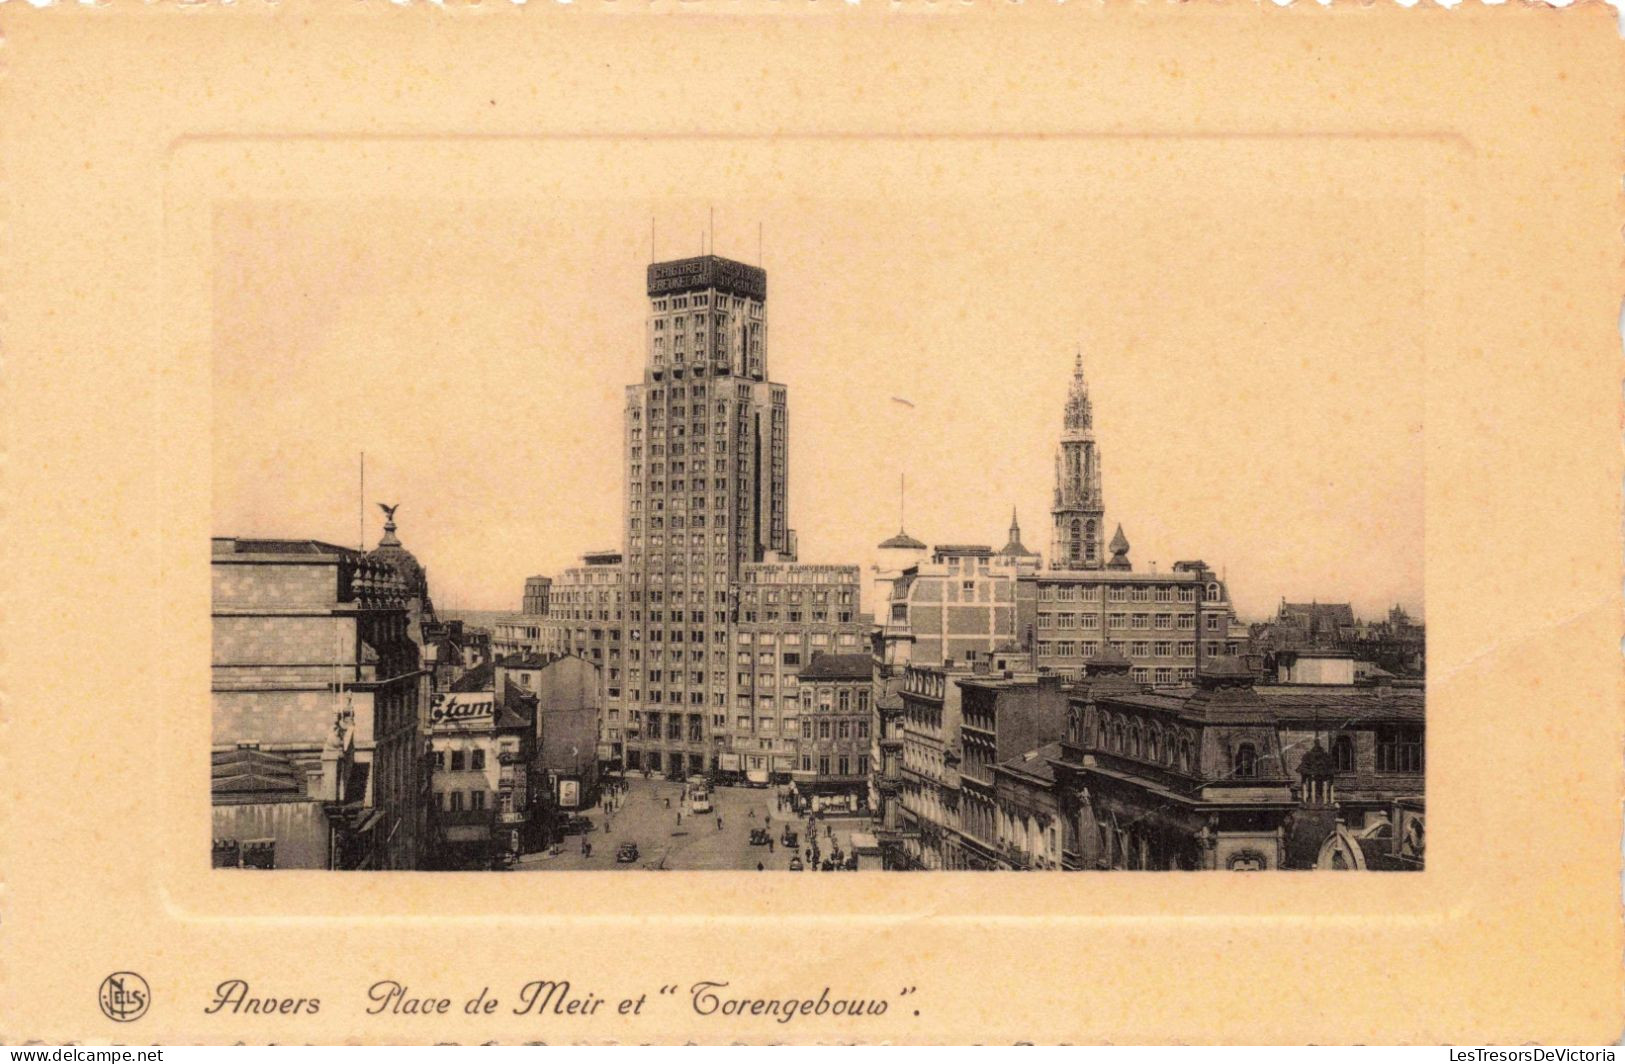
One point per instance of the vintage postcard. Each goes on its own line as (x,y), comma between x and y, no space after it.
(656,460)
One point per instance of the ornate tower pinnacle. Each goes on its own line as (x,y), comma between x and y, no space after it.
(1079,511)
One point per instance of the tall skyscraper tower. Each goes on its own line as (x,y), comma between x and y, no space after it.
(706,493)
(1079,509)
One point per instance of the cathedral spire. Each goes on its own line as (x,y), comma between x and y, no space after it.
(1079,512)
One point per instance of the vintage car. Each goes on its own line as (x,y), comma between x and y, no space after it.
(789,839)
(626,853)
(759,836)
(575,825)
(795,864)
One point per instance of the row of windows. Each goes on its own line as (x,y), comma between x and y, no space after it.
(837,729)
(797,617)
(842,765)
(461,760)
(702,299)
(1122,593)
(1089,648)
(457,801)
(1165,621)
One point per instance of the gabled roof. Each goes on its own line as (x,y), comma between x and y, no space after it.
(517,708)
(247,771)
(481,677)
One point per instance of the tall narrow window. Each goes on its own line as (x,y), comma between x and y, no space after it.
(1343,753)
(1246,761)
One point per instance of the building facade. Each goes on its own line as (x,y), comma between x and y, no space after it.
(537,599)
(956,605)
(1003,715)
(586,618)
(311,641)
(1229,775)
(886,766)
(929,800)
(833,751)
(784,615)
(481,746)
(707,475)
(1166,624)
(569,694)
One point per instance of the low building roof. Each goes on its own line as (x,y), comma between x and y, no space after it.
(839,667)
(1034,764)
(249,772)
(481,677)
(236,545)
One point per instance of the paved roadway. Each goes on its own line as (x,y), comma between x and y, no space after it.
(641,815)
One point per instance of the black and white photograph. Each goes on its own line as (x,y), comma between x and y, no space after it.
(625,579)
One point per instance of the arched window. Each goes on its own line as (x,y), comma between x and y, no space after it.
(1343,753)
(1185,759)
(1089,542)
(1073,725)
(1077,538)
(1246,761)
(1117,737)
(1135,746)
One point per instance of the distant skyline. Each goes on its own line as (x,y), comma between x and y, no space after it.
(1258,396)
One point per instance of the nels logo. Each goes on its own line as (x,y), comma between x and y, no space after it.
(124,996)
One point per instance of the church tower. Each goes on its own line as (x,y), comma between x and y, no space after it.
(1079,510)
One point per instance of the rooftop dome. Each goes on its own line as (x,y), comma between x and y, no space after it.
(390,552)
(902,541)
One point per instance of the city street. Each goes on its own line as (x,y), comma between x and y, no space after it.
(641,816)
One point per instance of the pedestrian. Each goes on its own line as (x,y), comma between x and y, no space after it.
(753,814)
(770,845)
(770,820)
(719,823)
(668,801)
(759,866)
(679,817)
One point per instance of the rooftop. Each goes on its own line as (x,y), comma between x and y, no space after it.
(1034,764)
(235,545)
(707,271)
(251,773)
(839,667)
(902,541)
(959,550)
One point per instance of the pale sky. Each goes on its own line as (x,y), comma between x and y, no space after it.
(1257,375)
